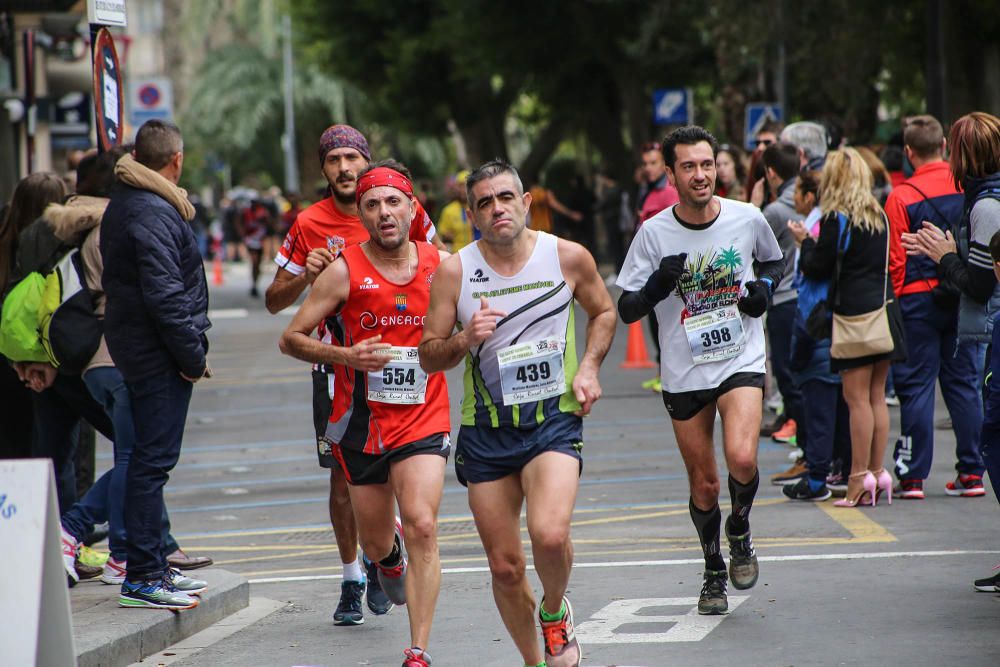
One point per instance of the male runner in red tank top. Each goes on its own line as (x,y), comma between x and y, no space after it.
(316,238)
(389,426)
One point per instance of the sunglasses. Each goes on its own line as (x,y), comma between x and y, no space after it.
(764,142)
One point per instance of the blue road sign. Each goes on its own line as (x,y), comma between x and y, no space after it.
(758,113)
(673,106)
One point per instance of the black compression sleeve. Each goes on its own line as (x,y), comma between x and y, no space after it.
(773,271)
(633,306)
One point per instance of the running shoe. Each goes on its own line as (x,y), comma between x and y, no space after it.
(70,547)
(561,647)
(393,579)
(713,600)
(186,584)
(801,490)
(91,557)
(837,483)
(743,567)
(966,486)
(348,610)
(786,433)
(157,593)
(767,429)
(377,601)
(892,400)
(988,584)
(775,403)
(911,489)
(797,471)
(114,572)
(653,384)
(416,657)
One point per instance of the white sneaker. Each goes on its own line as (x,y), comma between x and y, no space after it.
(70,547)
(114,572)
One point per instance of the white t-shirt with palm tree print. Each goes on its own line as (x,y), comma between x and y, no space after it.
(720,261)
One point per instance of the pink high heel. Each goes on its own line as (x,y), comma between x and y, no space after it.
(883,483)
(855,495)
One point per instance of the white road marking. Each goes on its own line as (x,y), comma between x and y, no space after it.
(228,313)
(681,561)
(258,609)
(687,626)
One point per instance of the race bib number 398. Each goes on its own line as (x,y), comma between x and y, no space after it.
(532,371)
(401,381)
(715,335)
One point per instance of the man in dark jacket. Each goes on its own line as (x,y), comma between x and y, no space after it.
(155,323)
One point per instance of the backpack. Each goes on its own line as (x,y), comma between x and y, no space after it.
(50,318)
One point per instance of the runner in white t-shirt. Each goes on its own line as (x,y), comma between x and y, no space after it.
(708,266)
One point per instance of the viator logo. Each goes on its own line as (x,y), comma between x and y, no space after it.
(478,277)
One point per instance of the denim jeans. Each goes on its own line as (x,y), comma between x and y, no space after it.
(58,410)
(780,322)
(159,411)
(105,499)
(829,423)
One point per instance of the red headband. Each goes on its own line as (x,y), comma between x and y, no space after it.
(383,176)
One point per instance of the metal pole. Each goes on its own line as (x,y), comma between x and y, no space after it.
(291,160)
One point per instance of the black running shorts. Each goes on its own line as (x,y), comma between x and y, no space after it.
(686,404)
(361,468)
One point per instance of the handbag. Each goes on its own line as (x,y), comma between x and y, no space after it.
(856,336)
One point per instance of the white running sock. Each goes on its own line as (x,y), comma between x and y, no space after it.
(353,572)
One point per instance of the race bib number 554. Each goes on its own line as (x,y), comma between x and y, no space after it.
(401,381)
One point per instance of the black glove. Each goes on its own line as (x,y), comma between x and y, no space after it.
(757,299)
(663,281)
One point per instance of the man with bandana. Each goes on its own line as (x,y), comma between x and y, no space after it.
(389,427)
(316,239)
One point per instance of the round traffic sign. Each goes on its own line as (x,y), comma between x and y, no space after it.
(149,95)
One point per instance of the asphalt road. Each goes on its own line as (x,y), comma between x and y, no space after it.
(887,585)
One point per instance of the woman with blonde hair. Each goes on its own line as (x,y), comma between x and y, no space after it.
(852,252)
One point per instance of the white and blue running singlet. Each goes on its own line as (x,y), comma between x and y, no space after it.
(524,372)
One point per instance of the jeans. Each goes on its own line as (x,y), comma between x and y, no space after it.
(105,500)
(780,322)
(58,409)
(159,411)
(829,425)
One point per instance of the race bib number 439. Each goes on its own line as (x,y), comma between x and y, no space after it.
(401,381)
(715,335)
(532,371)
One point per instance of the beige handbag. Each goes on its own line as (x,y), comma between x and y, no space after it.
(867,334)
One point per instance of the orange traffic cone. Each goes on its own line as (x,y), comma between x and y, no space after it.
(636,355)
(217,269)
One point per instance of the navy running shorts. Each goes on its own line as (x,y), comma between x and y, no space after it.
(686,404)
(361,468)
(485,454)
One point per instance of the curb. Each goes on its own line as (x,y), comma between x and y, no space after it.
(107,635)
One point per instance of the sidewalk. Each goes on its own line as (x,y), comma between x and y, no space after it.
(107,635)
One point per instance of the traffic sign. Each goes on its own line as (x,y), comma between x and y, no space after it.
(150,98)
(106,12)
(107,91)
(757,114)
(673,106)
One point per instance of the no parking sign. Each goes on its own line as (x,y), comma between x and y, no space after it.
(150,98)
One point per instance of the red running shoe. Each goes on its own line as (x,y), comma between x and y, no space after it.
(966,486)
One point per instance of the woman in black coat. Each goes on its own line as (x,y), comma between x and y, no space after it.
(862,286)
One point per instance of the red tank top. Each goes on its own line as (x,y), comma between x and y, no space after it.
(376,412)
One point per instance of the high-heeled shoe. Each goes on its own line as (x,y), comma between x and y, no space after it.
(883,484)
(855,495)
